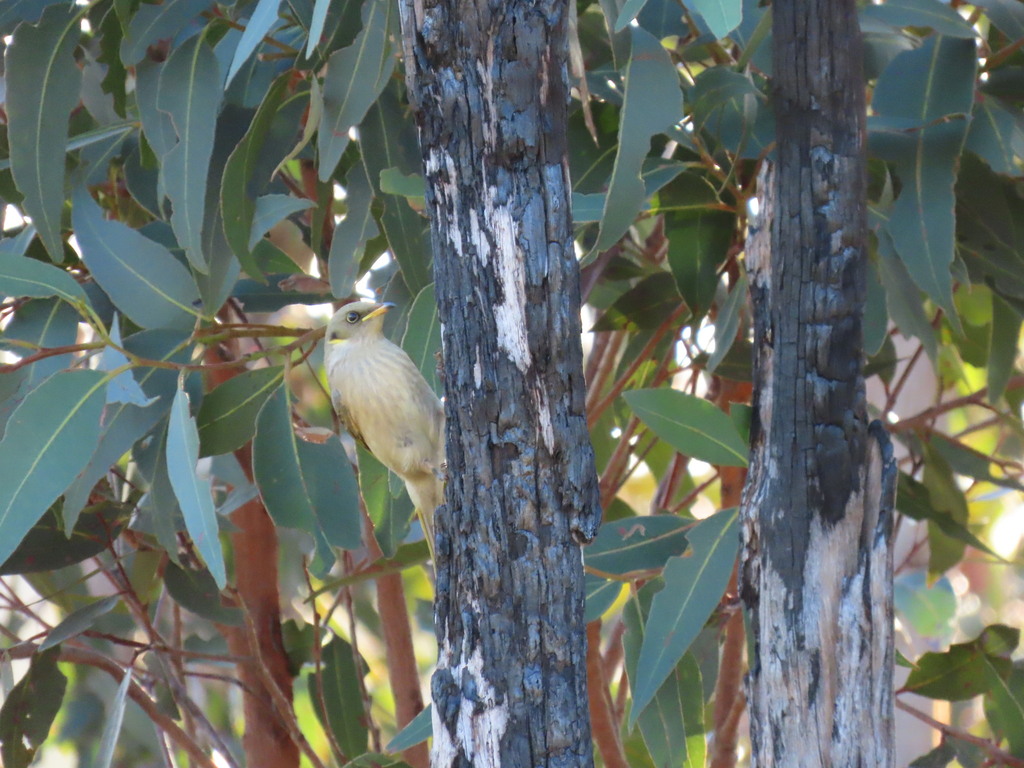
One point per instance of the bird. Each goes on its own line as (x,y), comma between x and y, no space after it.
(384,402)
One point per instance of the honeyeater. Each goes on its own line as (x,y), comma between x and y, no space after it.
(385,403)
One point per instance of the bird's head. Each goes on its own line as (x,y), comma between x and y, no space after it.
(357,320)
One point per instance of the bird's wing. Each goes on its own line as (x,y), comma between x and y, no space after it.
(345,417)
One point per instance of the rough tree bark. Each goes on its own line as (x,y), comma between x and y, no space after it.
(817,511)
(488,83)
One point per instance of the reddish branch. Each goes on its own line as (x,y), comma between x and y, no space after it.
(603,723)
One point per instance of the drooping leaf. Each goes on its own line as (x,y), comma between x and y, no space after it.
(122,388)
(260,23)
(44,447)
(30,709)
(239,188)
(730,110)
(352,233)
(422,339)
(304,485)
(693,587)
(42,82)
(653,102)
(923,99)
(316,26)
(25,277)
(339,691)
(227,415)
(140,276)
(388,140)
(994,135)
(356,75)
(114,718)
(692,425)
(728,322)
(1003,348)
(636,544)
(698,244)
(903,297)
(79,621)
(194,493)
(600,595)
(191,92)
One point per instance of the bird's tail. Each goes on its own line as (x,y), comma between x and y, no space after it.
(427,494)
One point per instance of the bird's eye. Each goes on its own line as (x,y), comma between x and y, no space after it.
(352,317)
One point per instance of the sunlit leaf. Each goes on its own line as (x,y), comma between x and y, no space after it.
(692,425)
(24,277)
(921,13)
(962,672)
(636,544)
(722,16)
(262,20)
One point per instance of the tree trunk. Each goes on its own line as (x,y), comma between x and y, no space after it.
(488,83)
(817,511)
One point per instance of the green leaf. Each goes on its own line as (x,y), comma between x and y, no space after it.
(921,13)
(1004,707)
(21,276)
(697,245)
(316,26)
(388,140)
(152,23)
(271,209)
(394,182)
(416,732)
(227,415)
(239,185)
(140,276)
(190,92)
(903,298)
(652,103)
(1003,347)
(391,516)
(722,16)
(730,110)
(693,588)
(636,544)
(928,610)
(600,595)
(356,75)
(122,388)
(46,323)
(994,134)
(422,339)
(692,425)
(728,322)
(30,710)
(49,438)
(114,717)
(194,493)
(339,691)
(940,757)
(931,90)
(914,500)
(42,88)
(352,233)
(304,485)
(196,591)
(79,621)
(263,18)
(645,306)
(965,670)
(47,548)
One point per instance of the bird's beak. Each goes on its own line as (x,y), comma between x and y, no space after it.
(378,311)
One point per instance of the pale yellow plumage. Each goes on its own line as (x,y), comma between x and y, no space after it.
(383,400)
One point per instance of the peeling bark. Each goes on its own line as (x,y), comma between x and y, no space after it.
(817,508)
(488,84)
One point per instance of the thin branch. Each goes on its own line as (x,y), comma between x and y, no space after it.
(991,749)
